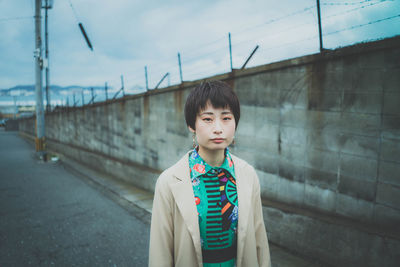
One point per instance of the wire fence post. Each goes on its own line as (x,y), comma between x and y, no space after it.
(73,100)
(180,66)
(122,89)
(145,74)
(83,98)
(92,100)
(248,59)
(122,85)
(321,47)
(162,79)
(105,88)
(230,50)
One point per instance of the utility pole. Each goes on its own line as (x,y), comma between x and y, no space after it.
(40,127)
(321,47)
(47,5)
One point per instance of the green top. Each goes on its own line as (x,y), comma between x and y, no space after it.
(217,206)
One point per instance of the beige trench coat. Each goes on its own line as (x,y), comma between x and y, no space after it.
(175,234)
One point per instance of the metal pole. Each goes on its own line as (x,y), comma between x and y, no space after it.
(230,50)
(46,45)
(83,99)
(85,35)
(248,59)
(105,88)
(180,66)
(321,47)
(91,89)
(40,127)
(162,79)
(145,74)
(15,107)
(122,85)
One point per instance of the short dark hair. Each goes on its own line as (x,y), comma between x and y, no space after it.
(220,94)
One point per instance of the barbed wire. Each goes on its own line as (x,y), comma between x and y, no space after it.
(188,61)
(278,19)
(193,57)
(209,51)
(361,25)
(345,3)
(281,45)
(354,9)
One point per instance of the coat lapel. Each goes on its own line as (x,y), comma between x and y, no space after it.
(244,202)
(183,193)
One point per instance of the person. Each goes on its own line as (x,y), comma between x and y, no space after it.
(207,208)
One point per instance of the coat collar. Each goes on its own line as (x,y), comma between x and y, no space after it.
(183,193)
(198,166)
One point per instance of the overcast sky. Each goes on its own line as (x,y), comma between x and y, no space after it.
(129,34)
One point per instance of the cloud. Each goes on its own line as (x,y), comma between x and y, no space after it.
(128,35)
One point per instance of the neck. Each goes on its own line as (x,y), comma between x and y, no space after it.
(213,158)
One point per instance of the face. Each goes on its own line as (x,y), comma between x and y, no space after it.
(215,128)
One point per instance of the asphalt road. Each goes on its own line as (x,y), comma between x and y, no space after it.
(50,217)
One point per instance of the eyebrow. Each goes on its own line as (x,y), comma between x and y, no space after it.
(211,113)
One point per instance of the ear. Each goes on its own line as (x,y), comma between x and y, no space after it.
(190,129)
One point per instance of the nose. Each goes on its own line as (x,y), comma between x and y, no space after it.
(217,127)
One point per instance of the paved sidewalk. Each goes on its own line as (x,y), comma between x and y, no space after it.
(50,216)
(143,201)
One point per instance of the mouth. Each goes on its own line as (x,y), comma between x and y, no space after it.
(218,140)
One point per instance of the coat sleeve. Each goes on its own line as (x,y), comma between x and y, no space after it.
(263,255)
(161,252)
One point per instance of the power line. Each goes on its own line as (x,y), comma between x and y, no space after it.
(73,11)
(16,18)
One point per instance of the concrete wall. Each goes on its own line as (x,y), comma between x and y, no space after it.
(323,132)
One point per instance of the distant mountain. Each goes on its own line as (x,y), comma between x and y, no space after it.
(29,90)
(55,89)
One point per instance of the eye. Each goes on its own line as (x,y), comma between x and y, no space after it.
(207,119)
(227,118)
